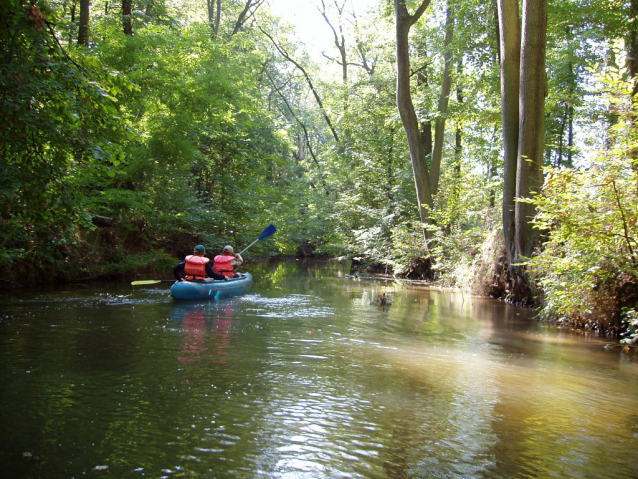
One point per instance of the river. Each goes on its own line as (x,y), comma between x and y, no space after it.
(307,376)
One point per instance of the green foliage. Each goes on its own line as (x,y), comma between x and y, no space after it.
(164,132)
(465,217)
(60,120)
(590,221)
(589,262)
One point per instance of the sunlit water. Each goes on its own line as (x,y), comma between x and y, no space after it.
(307,376)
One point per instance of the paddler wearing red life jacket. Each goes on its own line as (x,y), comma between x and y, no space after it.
(226,262)
(196,267)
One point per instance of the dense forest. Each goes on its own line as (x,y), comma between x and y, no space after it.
(486,145)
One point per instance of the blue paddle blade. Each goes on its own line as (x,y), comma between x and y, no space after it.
(270,230)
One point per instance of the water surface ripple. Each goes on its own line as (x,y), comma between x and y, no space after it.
(307,376)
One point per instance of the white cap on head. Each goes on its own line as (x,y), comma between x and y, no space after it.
(228,248)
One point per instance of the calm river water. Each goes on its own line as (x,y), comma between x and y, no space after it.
(307,376)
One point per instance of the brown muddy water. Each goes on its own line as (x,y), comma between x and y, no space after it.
(306,376)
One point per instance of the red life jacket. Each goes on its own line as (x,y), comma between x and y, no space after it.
(195,267)
(223,266)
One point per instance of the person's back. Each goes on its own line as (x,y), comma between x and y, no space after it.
(225,263)
(195,267)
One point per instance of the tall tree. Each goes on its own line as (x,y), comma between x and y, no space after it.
(531,133)
(404,22)
(510,56)
(528,82)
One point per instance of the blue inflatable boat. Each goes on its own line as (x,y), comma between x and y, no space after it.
(211,289)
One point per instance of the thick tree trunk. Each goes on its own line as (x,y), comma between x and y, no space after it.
(406,108)
(523,88)
(531,136)
(510,45)
(83,31)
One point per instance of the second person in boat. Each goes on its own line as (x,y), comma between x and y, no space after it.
(226,262)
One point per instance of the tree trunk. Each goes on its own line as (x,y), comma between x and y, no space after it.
(458,142)
(301,154)
(531,136)
(127,10)
(523,88)
(83,31)
(444,100)
(510,41)
(570,135)
(406,108)
(218,17)
(425,126)
(561,136)
(210,7)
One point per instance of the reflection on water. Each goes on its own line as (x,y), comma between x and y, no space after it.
(207,329)
(309,376)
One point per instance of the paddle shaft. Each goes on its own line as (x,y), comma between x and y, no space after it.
(270,230)
(248,246)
